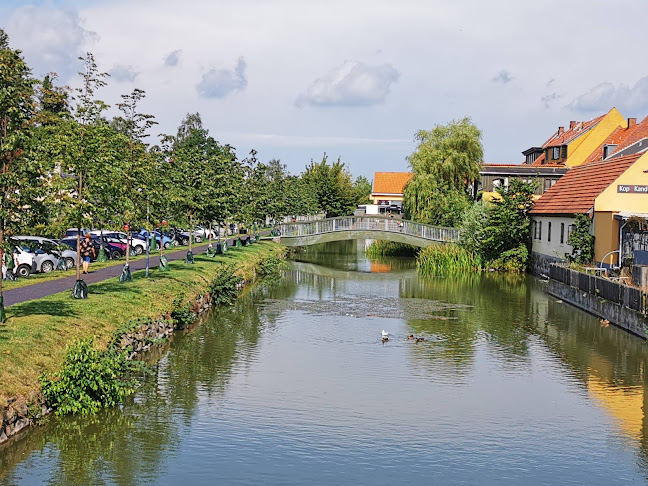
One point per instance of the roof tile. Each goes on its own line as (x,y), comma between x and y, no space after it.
(576,191)
(390,182)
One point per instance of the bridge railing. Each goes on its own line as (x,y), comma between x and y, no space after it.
(369,223)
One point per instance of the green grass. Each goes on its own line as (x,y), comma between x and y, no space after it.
(34,338)
(443,259)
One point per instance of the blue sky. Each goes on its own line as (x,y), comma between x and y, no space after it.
(355,78)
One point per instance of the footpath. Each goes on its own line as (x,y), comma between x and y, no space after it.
(40,290)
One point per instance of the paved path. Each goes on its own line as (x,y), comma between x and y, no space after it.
(40,290)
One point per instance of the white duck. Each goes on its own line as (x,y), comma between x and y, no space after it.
(385,334)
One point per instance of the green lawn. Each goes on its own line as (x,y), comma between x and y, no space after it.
(33,339)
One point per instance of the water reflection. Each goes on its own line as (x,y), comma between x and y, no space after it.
(292,385)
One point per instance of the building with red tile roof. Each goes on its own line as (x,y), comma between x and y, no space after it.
(575,193)
(388,187)
(623,141)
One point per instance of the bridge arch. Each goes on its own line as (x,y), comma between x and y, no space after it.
(365,227)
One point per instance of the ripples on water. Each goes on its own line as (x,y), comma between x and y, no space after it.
(294,386)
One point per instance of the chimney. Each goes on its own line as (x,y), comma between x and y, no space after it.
(632,122)
(572,124)
(561,130)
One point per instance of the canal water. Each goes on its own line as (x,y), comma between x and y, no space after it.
(293,385)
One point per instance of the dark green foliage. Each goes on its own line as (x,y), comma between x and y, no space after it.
(331,187)
(507,227)
(581,241)
(224,287)
(181,314)
(89,380)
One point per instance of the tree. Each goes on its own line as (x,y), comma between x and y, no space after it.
(451,153)
(134,125)
(506,237)
(427,200)
(581,240)
(331,187)
(16,110)
(446,161)
(362,190)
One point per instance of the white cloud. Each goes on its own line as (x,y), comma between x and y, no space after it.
(52,39)
(352,84)
(173,58)
(503,77)
(123,73)
(218,83)
(606,95)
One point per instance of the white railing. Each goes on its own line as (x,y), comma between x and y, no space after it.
(369,223)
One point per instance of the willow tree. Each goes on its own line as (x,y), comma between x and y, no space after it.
(447,160)
(16,109)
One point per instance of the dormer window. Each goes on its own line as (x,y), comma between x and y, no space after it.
(608,149)
(555,153)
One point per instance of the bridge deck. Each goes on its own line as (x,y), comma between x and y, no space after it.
(360,227)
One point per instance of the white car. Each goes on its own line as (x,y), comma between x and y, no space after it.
(24,262)
(52,247)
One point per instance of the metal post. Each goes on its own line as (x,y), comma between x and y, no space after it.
(148,213)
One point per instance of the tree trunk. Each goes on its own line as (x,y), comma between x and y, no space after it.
(210,234)
(128,239)
(190,233)
(78,259)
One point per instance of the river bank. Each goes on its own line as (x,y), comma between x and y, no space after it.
(34,339)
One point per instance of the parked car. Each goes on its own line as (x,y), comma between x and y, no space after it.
(72,232)
(52,247)
(159,238)
(24,261)
(138,244)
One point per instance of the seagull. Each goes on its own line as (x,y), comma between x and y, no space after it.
(385,334)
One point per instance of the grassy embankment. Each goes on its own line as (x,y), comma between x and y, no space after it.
(34,338)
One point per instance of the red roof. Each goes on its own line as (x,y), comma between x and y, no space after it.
(568,136)
(576,191)
(623,138)
(390,182)
(640,131)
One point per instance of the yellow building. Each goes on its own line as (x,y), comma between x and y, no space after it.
(388,188)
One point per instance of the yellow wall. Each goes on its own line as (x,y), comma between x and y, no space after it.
(606,234)
(611,200)
(583,146)
(383,197)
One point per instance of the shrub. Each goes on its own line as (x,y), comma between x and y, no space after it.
(224,286)
(514,260)
(581,241)
(270,267)
(89,380)
(181,314)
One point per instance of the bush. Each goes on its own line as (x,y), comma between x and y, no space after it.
(224,286)
(443,259)
(581,241)
(270,267)
(514,260)
(90,380)
(181,314)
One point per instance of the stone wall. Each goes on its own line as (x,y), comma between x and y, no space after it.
(540,263)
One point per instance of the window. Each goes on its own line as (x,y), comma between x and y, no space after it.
(537,231)
(563,151)
(562,232)
(549,231)
(555,153)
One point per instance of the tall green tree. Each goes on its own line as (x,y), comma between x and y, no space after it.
(16,110)
(332,187)
(362,190)
(134,126)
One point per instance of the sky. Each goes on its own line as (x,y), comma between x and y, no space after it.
(355,79)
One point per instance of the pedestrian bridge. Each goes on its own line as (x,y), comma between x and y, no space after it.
(364,228)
